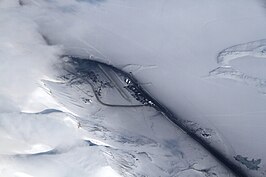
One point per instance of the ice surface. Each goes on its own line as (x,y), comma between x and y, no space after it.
(135,137)
(77,137)
(169,46)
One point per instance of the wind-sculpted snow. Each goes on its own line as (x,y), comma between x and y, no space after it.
(256,49)
(228,72)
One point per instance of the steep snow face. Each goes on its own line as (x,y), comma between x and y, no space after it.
(204,60)
(25,57)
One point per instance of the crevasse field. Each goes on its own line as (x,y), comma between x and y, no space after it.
(63,114)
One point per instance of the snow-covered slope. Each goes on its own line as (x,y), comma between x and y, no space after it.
(92,129)
(204,60)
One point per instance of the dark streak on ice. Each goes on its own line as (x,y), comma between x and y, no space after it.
(49,111)
(92,1)
(21,3)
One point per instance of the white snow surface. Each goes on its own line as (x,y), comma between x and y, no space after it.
(204,60)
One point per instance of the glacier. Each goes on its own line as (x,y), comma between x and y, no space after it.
(202,60)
